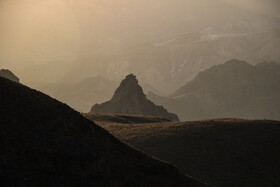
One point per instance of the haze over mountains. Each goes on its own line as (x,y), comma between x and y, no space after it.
(166,43)
(168,64)
(233,89)
(81,28)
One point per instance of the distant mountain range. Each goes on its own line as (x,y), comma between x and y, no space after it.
(46,143)
(234,89)
(129,98)
(168,64)
(166,47)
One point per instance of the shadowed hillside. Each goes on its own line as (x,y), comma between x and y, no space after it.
(130,99)
(46,143)
(222,152)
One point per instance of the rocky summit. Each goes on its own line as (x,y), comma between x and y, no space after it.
(129,98)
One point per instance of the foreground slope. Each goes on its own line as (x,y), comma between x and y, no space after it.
(129,98)
(46,143)
(222,152)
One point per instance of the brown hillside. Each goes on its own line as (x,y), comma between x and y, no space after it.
(223,152)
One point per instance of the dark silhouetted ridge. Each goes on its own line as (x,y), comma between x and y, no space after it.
(45,143)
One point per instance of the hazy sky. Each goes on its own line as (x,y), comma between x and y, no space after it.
(39,31)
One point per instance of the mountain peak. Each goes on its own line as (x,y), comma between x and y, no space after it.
(129,98)
(130,80)
(131,77)
(129,87)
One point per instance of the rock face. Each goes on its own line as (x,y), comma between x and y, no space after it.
(46,143)
(130,99)
(8,75)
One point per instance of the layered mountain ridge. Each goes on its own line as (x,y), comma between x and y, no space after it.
(233,89)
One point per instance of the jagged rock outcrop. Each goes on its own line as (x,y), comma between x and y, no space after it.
(46,143)
(8,75)
(130,99)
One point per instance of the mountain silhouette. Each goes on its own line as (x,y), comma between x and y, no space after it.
(46,143)
(233,89)
(8,75)
(130,99)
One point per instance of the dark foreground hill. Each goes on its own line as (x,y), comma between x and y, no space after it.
(223,152)
(8,75)
(129,98)
(235,89)
(46,143)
